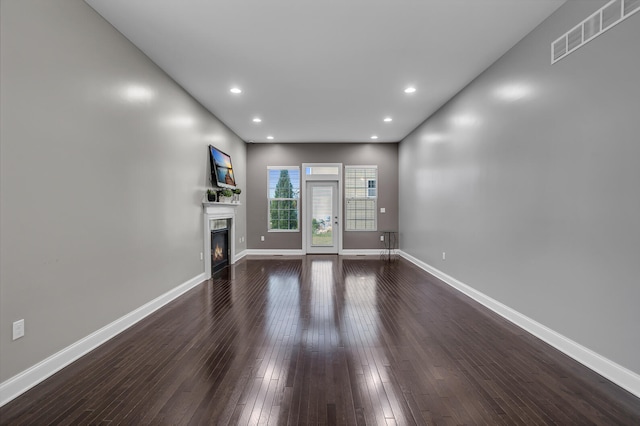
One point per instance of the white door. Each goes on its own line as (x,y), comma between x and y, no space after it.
(322,221)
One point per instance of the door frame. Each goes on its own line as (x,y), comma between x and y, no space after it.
(305,226)
(335,219)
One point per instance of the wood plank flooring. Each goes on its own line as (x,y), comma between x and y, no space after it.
(324,340)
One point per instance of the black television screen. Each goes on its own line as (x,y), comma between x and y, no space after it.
(221,168)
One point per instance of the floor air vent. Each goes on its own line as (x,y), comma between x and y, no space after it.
(605,18)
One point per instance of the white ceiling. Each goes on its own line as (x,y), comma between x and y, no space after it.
(324,71)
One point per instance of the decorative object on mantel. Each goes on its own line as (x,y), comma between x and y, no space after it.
(236,195)
(212,195)
(225,195)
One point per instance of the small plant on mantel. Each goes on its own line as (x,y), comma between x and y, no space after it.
(236,195)
(211,195)
(226,193)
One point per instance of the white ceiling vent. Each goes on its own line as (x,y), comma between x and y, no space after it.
(605,18)
(631,6)
(611,13)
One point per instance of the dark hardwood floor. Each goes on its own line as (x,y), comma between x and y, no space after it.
(324,340)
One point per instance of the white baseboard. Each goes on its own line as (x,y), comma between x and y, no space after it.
(275,252)
(300,252)
(618,374)
(22,382)
(240,255)
(362,252)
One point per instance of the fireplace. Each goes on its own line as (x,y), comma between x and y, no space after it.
(218,216)
(219,244)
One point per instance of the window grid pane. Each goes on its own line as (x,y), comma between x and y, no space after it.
(283,190)
(361,198)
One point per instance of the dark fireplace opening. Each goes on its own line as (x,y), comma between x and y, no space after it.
(219,246)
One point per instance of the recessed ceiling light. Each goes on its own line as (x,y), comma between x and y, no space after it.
(257,120)
(388,119)
(235,90)
(374,137)
(270,137)
(410,89)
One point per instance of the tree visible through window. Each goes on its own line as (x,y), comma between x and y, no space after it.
(284,194)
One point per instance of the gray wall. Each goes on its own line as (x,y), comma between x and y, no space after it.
(101,195)
(536,202)
(259,156)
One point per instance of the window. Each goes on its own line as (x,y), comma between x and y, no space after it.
(361,197)
(283,191)
(322,170)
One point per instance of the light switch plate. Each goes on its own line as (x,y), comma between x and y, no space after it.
(18,329)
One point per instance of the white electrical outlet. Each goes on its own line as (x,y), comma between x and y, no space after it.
(18,329)
(261,237)
(383,210)
(444,256)
(381,237)
(201,256)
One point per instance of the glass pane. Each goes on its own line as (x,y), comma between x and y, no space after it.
(321,220)
(326,170)
(283,214)
(283,183)
(283,190)
(360,182)
(215,224)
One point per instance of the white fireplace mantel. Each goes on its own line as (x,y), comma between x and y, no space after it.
(218,211)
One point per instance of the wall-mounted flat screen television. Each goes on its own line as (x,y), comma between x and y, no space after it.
(221,168)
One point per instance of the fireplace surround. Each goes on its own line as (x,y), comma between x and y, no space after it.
(214,212)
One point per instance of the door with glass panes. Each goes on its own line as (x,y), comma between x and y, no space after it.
(322,217)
